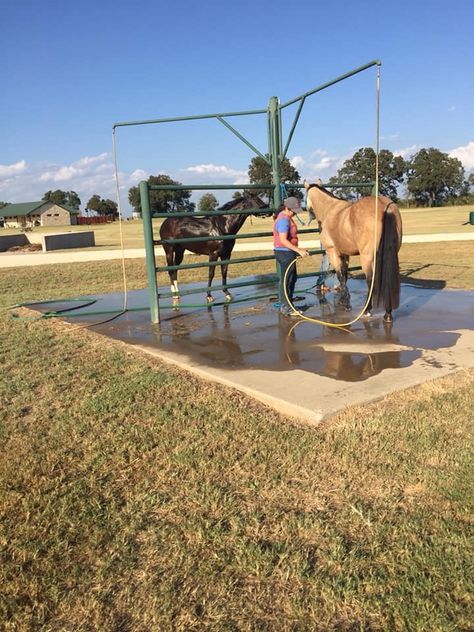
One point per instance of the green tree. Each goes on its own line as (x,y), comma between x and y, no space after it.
(260,172)
(63,198)
(208,203)
(3,204)
(102,207)
(361,168)
(434,177)
(162,201)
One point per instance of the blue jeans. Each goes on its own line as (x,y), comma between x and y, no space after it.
(284,258)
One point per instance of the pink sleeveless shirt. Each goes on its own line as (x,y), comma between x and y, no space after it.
(284,224)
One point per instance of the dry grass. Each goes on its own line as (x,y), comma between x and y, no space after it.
(136,497)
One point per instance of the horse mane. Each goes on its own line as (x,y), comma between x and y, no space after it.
(245,200)
(321,188)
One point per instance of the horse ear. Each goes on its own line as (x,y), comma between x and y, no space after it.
(306,184)
(319,182)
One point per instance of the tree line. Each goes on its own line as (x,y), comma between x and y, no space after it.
(428,178)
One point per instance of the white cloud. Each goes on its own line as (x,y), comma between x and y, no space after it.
(297,162)
(88,175)
(465,154)
(319,164)
(7,171)
(389,137)
(219,171)
(83,167)
(407,151)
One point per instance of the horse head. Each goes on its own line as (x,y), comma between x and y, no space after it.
(310,202)
(252,200)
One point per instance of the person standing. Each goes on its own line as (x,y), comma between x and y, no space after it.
(285,244)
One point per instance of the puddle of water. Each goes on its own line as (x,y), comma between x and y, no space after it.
(254,335)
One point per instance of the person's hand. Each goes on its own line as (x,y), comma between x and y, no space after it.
(303,253)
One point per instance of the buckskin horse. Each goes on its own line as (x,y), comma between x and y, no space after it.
(347,229)
(215,249)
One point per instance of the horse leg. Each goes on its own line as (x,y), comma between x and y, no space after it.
(387,317)
(226,256)
(178,252)
(366,262)
(339,264)
(345,298)
(212,271)
(173,274)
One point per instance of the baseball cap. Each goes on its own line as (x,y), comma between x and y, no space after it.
(293,204)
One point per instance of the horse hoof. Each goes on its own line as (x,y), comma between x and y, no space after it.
(367,314)
(210,300)
(388,318)
(228,298)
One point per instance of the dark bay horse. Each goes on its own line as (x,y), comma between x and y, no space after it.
(209,226)
(347,229)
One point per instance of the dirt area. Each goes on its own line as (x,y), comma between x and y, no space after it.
(26,248)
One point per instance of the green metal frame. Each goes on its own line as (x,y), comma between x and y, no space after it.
(274,156)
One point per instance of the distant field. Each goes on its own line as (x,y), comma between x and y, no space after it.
(448,219)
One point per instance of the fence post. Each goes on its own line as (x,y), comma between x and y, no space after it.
(275,149)
(150,252)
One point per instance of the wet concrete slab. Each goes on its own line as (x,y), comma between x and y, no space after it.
(304,370)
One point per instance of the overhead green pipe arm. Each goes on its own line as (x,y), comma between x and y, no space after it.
(376,62)
(292,131)
(187,118)
(303,97)
(242,138)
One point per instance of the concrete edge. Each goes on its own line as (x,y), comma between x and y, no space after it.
(297,413)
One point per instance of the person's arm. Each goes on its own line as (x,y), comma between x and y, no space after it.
(286,243)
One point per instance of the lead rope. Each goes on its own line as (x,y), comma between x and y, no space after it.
(374,262)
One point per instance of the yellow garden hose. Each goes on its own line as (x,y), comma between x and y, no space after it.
(374,262)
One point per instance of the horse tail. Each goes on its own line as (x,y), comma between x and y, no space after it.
(387,271)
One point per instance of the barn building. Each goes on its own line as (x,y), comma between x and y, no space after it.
(30,214)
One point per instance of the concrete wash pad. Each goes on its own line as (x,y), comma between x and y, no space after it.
(302,369)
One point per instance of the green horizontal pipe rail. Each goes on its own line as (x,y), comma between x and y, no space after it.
(198,187)
(230,286)
(216,187)
(186,118)
(187,240)
(323,86)
(268,279)
(211,264)
(252,211)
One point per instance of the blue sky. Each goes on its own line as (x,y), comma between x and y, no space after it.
(72,69)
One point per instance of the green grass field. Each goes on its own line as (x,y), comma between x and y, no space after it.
(136,497)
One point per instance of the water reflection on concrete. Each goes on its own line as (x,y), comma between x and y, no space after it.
(254,336)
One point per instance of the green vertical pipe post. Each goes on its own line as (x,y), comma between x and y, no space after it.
(150,252)
(275,148)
